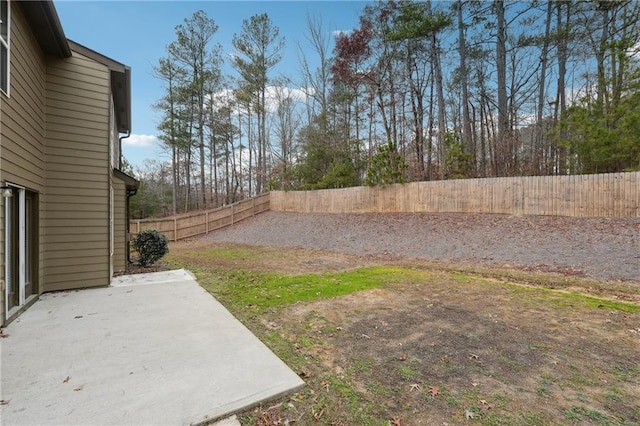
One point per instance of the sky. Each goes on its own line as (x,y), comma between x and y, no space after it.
(136,34)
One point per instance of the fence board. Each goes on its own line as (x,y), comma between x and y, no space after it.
(190,225)
(608,195)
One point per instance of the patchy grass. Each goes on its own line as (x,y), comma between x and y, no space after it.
(268,290)
(261,291)
(412,343)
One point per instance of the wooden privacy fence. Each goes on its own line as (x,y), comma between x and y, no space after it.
(608,195)
(190,225)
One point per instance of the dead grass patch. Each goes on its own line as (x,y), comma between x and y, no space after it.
(447,344)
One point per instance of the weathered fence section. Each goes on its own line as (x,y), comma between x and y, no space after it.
(605,195)
(598,195)
(193,224)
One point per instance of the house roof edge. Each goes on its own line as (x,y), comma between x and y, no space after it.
(120,84)
(45,24)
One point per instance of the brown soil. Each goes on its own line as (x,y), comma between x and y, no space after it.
(470,344)
(429,354)
(459,347)
(603,248)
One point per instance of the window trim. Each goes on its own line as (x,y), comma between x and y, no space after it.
(7,45)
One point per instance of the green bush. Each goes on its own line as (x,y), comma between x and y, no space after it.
(151,246)
(386,167)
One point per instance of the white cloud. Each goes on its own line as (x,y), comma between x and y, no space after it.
(282,92)
(273,95)
(140,141)
(634,51)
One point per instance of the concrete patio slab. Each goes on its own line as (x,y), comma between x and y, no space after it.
(151,349)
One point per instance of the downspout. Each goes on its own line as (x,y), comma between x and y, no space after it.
(120,149)
(130,193)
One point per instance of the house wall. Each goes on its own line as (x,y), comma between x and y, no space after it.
(22,129)
(120,198)
(2,282)
(77,216)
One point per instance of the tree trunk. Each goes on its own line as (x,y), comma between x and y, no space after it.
(227,158)
(417,110)
(430,127)
(538,147)
(175,165)
(203,175)
(442,120)
(558,165)
(602,95)
(250,146)
(501,68)
(467,135)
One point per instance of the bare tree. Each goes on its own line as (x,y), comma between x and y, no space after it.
(192,49)
(258,50)
(316,81)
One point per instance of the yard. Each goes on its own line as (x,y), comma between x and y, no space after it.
(407,341)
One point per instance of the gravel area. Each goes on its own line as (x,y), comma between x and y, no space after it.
(605,248)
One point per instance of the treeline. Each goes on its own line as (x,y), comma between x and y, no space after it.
(417,91)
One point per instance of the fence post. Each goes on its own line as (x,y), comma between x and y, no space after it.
(175,229)
(253,206)
(206,222)
(232,213)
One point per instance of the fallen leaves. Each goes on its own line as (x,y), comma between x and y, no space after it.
(4,401)
(268,418)
(304,374)
(470,414)
(318,414)
(79,388)
(414,387)
(66,380)
(274,415)
(434,391)
(485,405)
(2,334)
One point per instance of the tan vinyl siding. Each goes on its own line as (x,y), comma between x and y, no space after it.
(22,128)
(119,252)
(2,291)
(114,143)
(23,114)
(77,210)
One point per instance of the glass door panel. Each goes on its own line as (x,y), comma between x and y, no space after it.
(21,247)
(31,244)
(12,247)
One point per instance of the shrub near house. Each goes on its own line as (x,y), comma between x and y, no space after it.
(151,247)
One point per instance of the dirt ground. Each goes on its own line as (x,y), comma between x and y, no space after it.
(474,342)
(603,248)
(461,346)
(448,355)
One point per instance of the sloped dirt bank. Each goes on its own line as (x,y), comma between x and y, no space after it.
(602,248)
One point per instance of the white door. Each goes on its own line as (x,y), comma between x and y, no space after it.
(20,241)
